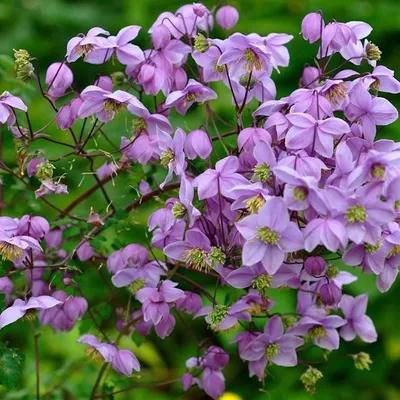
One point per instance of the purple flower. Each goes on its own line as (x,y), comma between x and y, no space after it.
(307,133)
(125,362)
(227,17)
(335,37)
(383,80)
(8,103)
(194,92)
(48,186)
(273,346)
(246,54)
(370,111)
(155,301)
(68,114)
(184,209)
(323,332)
(190,304)
(16,247)
(193,251)
(269,235)
(221,180)
(147,122)
(36,227)
(83,45)
(20,308)
(171,152)
(312,26)
(85,251)
(103,103)
(119,45)
(198,144)
(357,323)
(106,351)
(60,77)
(223,318)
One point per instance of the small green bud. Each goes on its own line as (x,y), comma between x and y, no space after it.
(288,321)
(45,171)
(23,66)
(201,43)
(310,378)
(246,80)
(362,361)
(118,78)
(332,271)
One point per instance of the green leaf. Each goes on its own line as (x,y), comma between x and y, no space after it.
(137,338)
(10,366)
(70,232)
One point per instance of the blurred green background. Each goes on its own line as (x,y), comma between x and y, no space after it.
(43,27)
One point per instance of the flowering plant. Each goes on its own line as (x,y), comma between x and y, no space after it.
(281,194)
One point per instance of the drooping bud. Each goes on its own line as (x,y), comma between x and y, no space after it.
(330,294)
(22,66)
(373,53)
(315,266)
(310,378)
(95,218)
(362,361)
(312,26)
(227,17)
(201,43)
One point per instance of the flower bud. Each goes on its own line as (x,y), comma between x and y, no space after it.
(201,43)
(330,294)
(227,17)
(75,308)
(118,78)
(124,362)
(59,76)
(199,9)
(312,26)
(190,304)
(362,361)
(22,66)
(187,381)
(85,252)
(315,266)
(310,378)
(310,77)
(197,144)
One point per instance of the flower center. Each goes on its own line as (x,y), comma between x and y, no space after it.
(356,213)
(300,193)
(84,49)
(217,256)
(166,157)
(196,258)
(94,354)
(252,61)
(191,97)
(373,53)
(136,285)
(375,86)
(262,172)
(378,171)
(262,283)
(317,332)
(397,204)
(332,272)
(267,235)
(373,248)
(218,314)
(179,211)
(111,106)
(218,68)
(336,93)
(30,315)
(272,350)
(138,125)
(9,251)
(254,204)
(395,251)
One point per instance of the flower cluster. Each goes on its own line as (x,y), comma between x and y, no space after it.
(306,191)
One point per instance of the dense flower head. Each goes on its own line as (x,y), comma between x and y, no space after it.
(280,193)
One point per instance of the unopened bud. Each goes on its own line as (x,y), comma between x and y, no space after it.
(118,78)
